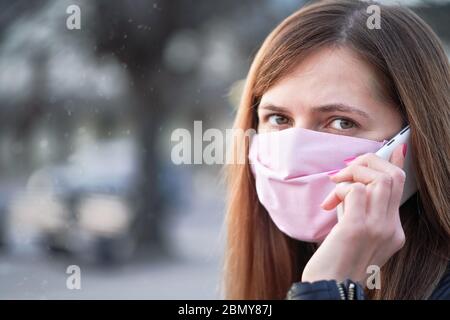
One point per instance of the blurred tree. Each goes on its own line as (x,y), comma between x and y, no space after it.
(136,32)
(10,11)
(438,16)
(23,119)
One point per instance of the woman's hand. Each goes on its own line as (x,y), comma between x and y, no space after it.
(369,232)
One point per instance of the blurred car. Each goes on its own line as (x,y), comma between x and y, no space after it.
(79,208)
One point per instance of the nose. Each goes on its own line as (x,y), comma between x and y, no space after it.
(304,122)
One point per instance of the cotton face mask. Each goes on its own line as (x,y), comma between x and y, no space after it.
(291,169)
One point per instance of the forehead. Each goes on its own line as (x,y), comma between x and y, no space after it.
(328,75)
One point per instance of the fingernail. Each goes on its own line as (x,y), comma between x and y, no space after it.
(333,172)
(325,200)
(404,149)
(349,160)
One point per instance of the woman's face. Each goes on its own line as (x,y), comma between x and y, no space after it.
(333,91)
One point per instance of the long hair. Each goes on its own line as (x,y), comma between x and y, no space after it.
(409,61)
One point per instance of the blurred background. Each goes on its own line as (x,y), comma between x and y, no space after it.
(86,118)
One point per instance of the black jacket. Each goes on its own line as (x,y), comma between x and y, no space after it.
(349,290)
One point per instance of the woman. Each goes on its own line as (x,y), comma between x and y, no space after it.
(323,72)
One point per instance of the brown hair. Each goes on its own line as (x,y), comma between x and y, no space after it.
(261,262)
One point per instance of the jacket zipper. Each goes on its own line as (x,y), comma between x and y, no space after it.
(341,290)
(350,293)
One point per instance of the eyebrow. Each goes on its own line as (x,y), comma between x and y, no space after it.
(323,109)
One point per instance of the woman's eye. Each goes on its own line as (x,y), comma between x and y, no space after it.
(278,120)
(342,124)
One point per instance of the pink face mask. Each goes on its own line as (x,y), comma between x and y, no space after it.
(290,168)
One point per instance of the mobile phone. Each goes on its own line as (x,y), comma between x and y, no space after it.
(385,152)
(410,186)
